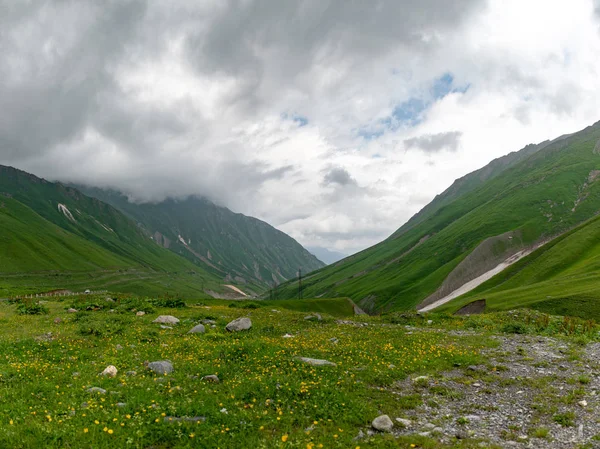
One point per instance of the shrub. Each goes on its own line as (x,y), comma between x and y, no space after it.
(514,328)
(31,308)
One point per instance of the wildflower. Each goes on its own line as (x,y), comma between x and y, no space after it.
(110,431)
(284,438)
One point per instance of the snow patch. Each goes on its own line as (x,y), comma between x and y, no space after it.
(66,212)
(182,240)
(235,289)
(472,284)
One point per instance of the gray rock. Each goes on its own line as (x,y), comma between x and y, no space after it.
(57,320)
(404,422)
(166,319)
(316,362)
(161,367)
(140,313)
(211,378)
(72,310)
(96,390)
(314,317)
(162,326)
(130,373)
(333,340)
(118,347)
(84,405)
(199,329)
(121,404)
(209,322)
(170,419)
(241,324)
(383,423)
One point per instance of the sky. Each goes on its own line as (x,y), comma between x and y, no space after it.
(333,120)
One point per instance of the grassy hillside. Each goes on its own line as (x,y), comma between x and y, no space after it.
(562,277)
(50,235)
(232,246)
(540,192)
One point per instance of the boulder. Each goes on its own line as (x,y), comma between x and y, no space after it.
(211,378)
(241,324)
(199,329)
(166,319)
(161,367)
(383,423)
(110,371)
(316,362)
(140,313)
(96,390)
(72,310)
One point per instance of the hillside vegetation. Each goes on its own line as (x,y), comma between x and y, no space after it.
(232,246)
(529,196)
(52,236)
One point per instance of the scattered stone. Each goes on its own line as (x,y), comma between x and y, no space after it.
(162,326)
(110,371)
(84,405)
(429,426)
(211,378)
(118,347)
(333,340)
(404,422)
(472,368)
(383,423)
(275,310)
(316,362)
(121,404)
(109,300)
(314,316)
(429,321)
(424,434)
(241,324)
(57,320)
(420,379)
(477,385)
(169,419)
(166,319)
(130,373)
(96,390)
(437,430)
(288,336)
(209,322)
(198,329)
(72,310)
(161,367)
(140,313)
(583,403)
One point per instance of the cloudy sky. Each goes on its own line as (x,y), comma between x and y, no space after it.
(333,120)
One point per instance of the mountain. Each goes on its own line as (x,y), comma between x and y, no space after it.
(232,246)
(325,255)
(500,211)
(54,236)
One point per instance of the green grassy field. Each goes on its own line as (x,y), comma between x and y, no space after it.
(266,396)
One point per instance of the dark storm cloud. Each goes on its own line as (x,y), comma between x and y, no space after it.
(340,176)
(433,143)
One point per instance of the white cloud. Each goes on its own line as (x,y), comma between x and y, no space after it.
(291,111)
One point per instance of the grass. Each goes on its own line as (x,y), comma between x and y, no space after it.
(266,397)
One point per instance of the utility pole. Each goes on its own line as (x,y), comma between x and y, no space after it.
(299,283)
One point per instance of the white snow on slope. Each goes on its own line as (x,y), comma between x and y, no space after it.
(67,213)
(472,284)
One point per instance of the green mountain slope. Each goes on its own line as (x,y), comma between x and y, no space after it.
(562,277)
(46,226)
(481,220)
(230,245)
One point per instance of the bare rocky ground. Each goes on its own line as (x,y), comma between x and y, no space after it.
(533,391)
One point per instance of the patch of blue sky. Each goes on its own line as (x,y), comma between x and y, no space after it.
(412,111)
(299,119)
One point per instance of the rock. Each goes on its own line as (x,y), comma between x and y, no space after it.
(109,300)
(383,423)
(404,422)
(57,320)
(288,336)
(169,419)
(314,316)
(162,326)
(461,435)
(429,426)
(275,310)
(110,371)
(209,322)
(84,405)
(72,310)
(583,403)
(118,347)
(166,319)
(437,430)
(429,321)
(198,329)
(333,340)
(161,367)
(420,379)
(130,373)
(472,368)
(140,313)
(241,324)
(96,390)
(121,404)
(316,362)
(211,378)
